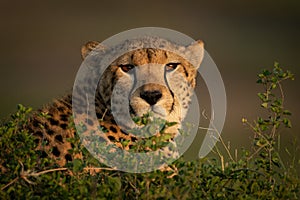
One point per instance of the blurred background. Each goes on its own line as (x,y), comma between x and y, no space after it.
(40,47)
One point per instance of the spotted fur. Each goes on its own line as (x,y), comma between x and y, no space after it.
(170,79)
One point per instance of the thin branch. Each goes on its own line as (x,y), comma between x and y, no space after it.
(99,168)
(26,174)
(45,172)
(219,134)
(281,93)
(102,118)
(10,183)
(257,151)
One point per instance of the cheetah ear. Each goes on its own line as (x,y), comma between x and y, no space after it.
(87,48)
(196,52)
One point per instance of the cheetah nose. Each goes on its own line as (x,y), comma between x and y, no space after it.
(151,97)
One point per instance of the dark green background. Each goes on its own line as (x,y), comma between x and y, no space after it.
(40,46)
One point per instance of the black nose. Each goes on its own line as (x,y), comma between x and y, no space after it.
(151,97)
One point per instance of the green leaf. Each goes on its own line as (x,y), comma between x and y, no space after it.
(266,72)
(260,120)
(263,127)
(259,81)
(171,123)
(261,76)
(287,123)
(77,165)
(287,112)
(276,162)
(264,105)
(262,96)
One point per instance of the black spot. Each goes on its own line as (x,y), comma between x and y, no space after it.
(46,126)
(122,139)
(113,129)
(53,122)
(55,151)
(102,140)
(130,146)
(39,133)
(125,133)
(61,109)
(99,115)
(50,132)
(64,126)
(69,106)
(112,138)
(68,157)
(90,122)
(59,138)
(64,117)
(37,140)
(133,139)
(35,123)
(42,154)
(72,145)
(45,142)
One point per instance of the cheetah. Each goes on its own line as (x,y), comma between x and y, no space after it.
(142,80)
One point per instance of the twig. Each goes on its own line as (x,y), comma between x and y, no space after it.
(44,172)
(26,174)
(10,183)
(99,168)
(103,114)
(219,134)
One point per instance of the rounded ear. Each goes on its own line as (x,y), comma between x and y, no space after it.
(87,48)
(196,51)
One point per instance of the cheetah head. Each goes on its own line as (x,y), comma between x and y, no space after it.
(143,80)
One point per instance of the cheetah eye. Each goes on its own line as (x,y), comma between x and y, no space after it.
(171,66)
(126,68)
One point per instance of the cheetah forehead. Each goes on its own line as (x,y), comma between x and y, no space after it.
(148,49)
(145,56)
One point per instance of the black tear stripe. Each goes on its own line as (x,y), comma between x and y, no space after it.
(166,82)
(185,71)
(133,85)
(173,102)
(131,111)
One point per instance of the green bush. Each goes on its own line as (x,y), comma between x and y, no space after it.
(259,173)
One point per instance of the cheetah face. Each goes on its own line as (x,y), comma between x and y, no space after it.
(154,81)
(151,80)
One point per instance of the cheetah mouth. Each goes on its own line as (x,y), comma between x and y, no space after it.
(159,111)
(156,110)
